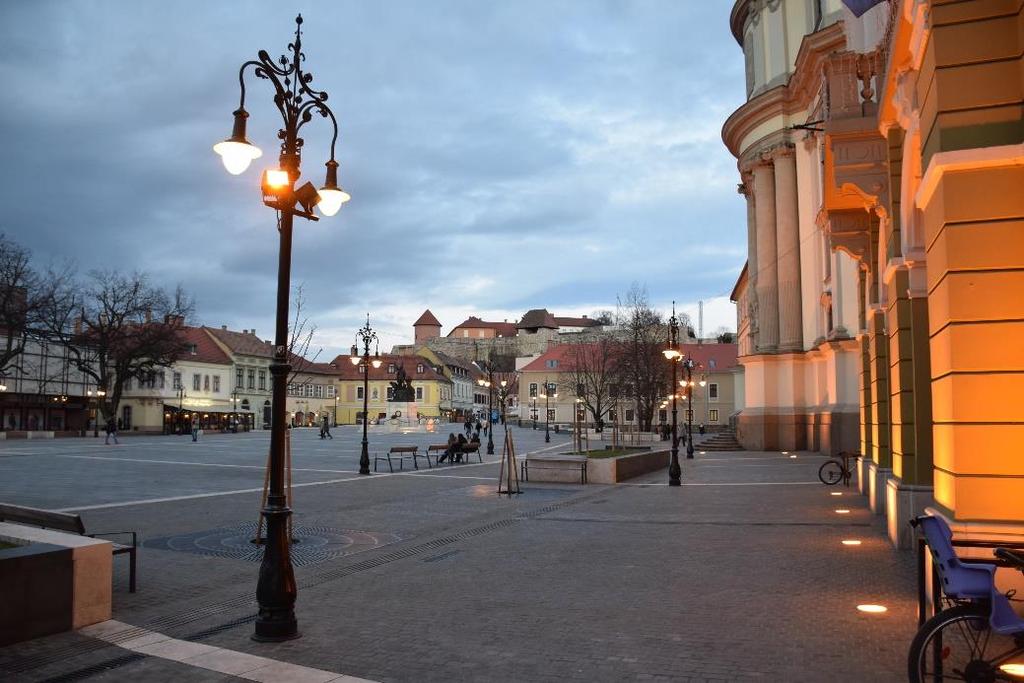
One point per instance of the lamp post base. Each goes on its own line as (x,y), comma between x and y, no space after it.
(275,591)
(364,459)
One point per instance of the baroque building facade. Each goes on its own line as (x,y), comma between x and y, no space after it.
(912,118)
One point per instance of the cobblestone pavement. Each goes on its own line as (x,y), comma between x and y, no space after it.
(737,575)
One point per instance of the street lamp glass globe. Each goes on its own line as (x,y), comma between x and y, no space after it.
(703,382)
(237,156)
(331,200)
(376,362)
(355,360)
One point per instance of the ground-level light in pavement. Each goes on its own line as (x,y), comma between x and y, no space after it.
(793,457)
(842,511)
(703,452)
(1015,669)
(785,452)
(851,541)
(873,609)
(837,493)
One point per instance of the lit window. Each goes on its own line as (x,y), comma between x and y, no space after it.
(391,368)
(713,415)
(419,368)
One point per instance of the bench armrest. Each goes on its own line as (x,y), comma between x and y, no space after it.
(134,535)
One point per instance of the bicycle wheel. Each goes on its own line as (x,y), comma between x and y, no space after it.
(957,645)
(831,472)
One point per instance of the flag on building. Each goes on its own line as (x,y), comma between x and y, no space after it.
(859,7)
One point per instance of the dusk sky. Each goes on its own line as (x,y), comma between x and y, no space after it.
(501,156)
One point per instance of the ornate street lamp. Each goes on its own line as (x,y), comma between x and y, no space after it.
(367,335)
(297,102)
(689,365)
(486,367)
(533,411)
(672,354)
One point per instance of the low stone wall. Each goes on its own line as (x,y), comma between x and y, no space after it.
(623,467)
(564,468)
(52,582)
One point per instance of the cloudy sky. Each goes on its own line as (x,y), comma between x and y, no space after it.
(501,156)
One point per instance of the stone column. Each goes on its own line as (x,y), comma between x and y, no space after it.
(746,188)
(767,268)
(787,232)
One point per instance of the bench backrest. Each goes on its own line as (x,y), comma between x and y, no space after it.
(438,447)
(60,521)
(471,447)
(404,449)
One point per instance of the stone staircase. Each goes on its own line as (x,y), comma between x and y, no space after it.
(724,440)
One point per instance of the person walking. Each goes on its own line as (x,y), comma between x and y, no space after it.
(195,429)
(111,430)
(325,429)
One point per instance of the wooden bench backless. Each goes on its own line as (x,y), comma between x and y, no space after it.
(63,521)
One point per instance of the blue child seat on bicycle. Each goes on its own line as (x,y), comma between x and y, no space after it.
(967,580)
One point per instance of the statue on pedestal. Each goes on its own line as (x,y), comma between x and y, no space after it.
(401,389)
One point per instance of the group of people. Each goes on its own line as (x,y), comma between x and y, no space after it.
(469,426)
(457,445)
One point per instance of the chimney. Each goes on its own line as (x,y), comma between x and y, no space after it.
(254,331)
(584,316)
(224,327)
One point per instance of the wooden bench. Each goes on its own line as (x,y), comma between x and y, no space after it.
(435,449)
(470,448)
(402,453)
(62,521)
(526,464)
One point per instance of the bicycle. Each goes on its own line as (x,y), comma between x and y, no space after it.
(979,639)
(835,470)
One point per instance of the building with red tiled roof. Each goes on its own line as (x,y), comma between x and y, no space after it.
(475,328)
(426,327)
(433,390)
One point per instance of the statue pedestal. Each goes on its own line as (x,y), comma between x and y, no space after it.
(409,418)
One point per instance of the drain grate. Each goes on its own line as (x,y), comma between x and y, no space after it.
(90,671)
(313,544)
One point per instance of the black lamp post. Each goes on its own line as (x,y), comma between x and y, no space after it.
(533,411)
(488,367)
(367,336)
(547,396)
(672,354)
(689,365)
(234,410)
(297,102)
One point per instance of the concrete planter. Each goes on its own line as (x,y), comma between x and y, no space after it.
(623,467)
(564,468)
(52,582)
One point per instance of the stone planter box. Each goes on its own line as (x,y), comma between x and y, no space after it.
(623,467)
(52,582)
(599,470)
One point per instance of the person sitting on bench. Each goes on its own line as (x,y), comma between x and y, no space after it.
(450,453)
(459,447)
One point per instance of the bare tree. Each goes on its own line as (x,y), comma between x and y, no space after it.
(594,370)
(117,327)
(25,295)
(300,338)
(641,365)
(603,317)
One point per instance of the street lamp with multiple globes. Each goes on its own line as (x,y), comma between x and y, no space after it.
(547,396)
(673,355)
(94,398)
(297,102)
(366,335)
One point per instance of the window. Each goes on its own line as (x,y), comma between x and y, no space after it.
(419,368)
(362,369)
(359,393)
(375,394)
(216,384)
(629,414)
(551,363)
(419,393)
(480,334)
(391,368)
(533,390)
(465,333)
(662,415)
(713,415)
(238,378)
(713,391)
(252,378)
(163,379)
(689,415)
(176,381)
(196,382)
(127,383)
(263,380)
(192,349)
(391,393)
(612,415)
(206,382)
(552,389)
(551,414)
(318,391)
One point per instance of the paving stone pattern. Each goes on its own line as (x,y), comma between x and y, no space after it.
(737,575)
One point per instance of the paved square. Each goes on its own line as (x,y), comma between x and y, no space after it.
(739,574)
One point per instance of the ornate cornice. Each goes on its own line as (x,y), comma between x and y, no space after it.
(796,95)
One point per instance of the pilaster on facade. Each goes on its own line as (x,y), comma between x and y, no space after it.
(766,301)
(787,249)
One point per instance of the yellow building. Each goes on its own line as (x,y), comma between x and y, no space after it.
(433,389)
(912,119)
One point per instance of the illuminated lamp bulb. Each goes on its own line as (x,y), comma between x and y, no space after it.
(331,195)
(236,153)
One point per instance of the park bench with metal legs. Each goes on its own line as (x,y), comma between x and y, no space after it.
(525,465)
(62,521)
(402,453)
